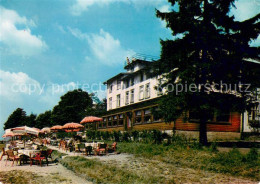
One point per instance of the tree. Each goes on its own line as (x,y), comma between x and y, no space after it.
(98,109)
(31,120)
(72,107)
(209,48)
(17,118)
(44,120)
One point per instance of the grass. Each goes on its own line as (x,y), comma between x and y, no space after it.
(99,172)
(232,162)
(23,177)
(169,164)
(56,155)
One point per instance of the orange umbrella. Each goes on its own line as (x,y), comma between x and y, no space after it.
(90,119)
(72,127)
(56,128)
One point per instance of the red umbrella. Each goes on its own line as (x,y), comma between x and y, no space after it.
(90,119)
(56,128)
(72,127)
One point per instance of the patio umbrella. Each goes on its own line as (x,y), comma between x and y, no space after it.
(46,130)
(56,128)
(24,130)
(90,119)
(9,133)
(72,127)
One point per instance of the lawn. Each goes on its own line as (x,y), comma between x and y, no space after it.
(154,163)
(23,177)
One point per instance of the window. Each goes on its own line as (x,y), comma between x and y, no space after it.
(110,88)
(157,115)
(127,97)
(141,92)
(254,113)
(127,83)
(121,120)
(118,84)
(223,116)
(109,124)
(159,91)
(100,125)
(138,117)
(147,116)
(118,101)
(105,122)
(110,103)
(132,82)
(141,77)
(147,90)
(132,96)
(114,123)
(195,116)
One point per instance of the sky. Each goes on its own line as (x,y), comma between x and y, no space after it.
(48,47)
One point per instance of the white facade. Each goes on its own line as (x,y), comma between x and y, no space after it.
(131,87)
(253,115)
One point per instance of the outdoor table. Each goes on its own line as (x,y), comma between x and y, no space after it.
(27,152)
(54,142)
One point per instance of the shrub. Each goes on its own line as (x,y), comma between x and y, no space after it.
(135,135)
(126,136)
(157,136)
(252,155)
(116,136)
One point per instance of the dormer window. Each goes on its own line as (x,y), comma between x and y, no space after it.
(141,77)
(118,84)
(110,88)
(132,82)
(127,83)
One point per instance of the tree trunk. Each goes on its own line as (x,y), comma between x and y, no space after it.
(203,132)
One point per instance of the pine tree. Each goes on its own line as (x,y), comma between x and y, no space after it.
(210,47)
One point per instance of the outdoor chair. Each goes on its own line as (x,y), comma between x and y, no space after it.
(49,152)
(88,150)
(11,156)
(3,153)
(112,148)
(38,159)
(65,146)
(101,149)
(80,148)
(44,153)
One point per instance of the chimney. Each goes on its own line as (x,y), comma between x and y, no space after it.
(127,60)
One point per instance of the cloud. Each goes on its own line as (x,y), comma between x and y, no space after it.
(105,48)
(60,28)
(83,5)
(165,8)
(256,42)
(19,41)
(245,9)
(13,85)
